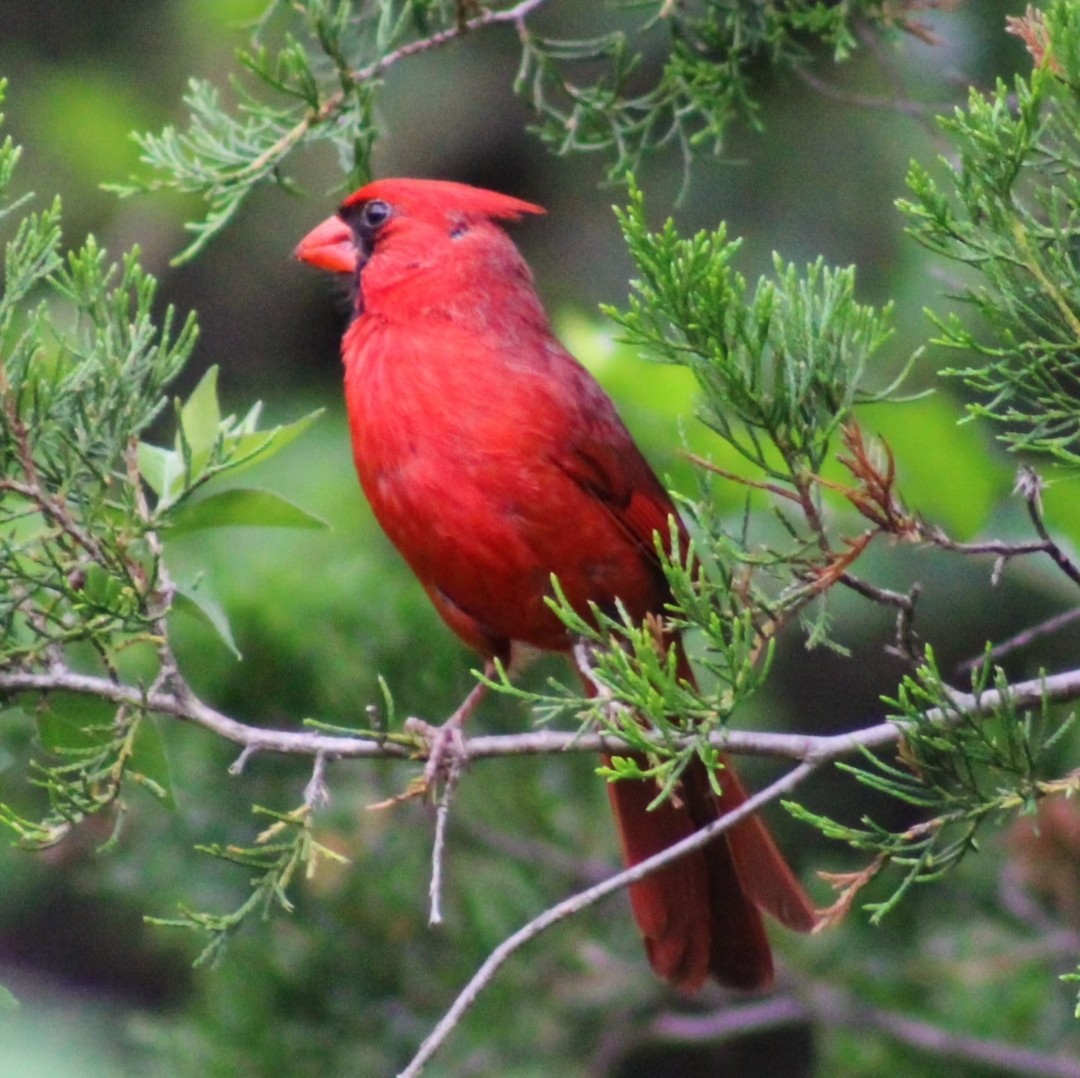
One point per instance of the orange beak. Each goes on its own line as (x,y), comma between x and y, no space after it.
(329,246)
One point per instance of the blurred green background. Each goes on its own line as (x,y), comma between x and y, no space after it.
(352,981)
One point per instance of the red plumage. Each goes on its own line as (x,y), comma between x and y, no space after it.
(493,459)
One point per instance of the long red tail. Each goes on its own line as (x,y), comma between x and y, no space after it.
(702,914)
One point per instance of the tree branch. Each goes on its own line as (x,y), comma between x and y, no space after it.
(840,1008)
(834,1007)
(590,896)
(184,705)
(328,109)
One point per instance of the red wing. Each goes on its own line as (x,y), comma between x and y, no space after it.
(619,477)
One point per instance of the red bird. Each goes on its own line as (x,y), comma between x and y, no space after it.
(493,459)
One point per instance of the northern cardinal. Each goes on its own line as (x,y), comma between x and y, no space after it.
(493,459)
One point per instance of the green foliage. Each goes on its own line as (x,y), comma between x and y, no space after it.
(642,698)
(1005,207)
(704,85)
(76,390)
(208,445)
(780,369)
(315,68)
(282,849)
(82,581)
(961,767)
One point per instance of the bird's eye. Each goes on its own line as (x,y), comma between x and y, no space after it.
(374,214)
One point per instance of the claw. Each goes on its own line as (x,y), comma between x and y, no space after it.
(447,750)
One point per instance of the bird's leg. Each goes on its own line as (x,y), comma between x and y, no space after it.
(583,660)
(446,743)
(583,652)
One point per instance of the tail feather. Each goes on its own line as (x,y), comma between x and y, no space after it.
(702,914)
(693,914)
(763,872)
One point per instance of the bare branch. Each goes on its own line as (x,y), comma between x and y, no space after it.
(1021,640)
(184,705)
(841,1008)
(729,1022)
(1029,485)
(838,1008)
(583,899)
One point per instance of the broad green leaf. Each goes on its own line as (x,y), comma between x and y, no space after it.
(200,606)
(163,470)
(255,446)
(242,508)
(200,416)
(153,462)
(150,761)
(7,1001)
(240,446)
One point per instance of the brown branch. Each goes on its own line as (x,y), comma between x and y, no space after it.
(742,480)
(184,705)
(1021,639)
(583,899)
(329,108)
(835,1007)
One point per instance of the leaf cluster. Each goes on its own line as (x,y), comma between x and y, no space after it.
(85,360)
(227,150)
(960,767)
(664,74)
(1006,207)
(780,368)
(681,76)
(640,691)
(279,852)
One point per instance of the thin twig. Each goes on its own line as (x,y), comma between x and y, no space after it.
(583,899)
(1021,640)
(876,594)
(1000,547)
(316,792)
(918,109)
(755,484)
(438,848)
(328,109)
(1029,485)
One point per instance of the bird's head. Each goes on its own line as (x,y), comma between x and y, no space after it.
(413,216)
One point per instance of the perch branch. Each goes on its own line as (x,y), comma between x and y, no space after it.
(184,705)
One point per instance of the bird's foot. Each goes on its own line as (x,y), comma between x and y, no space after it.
(447,751)
(445,747)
